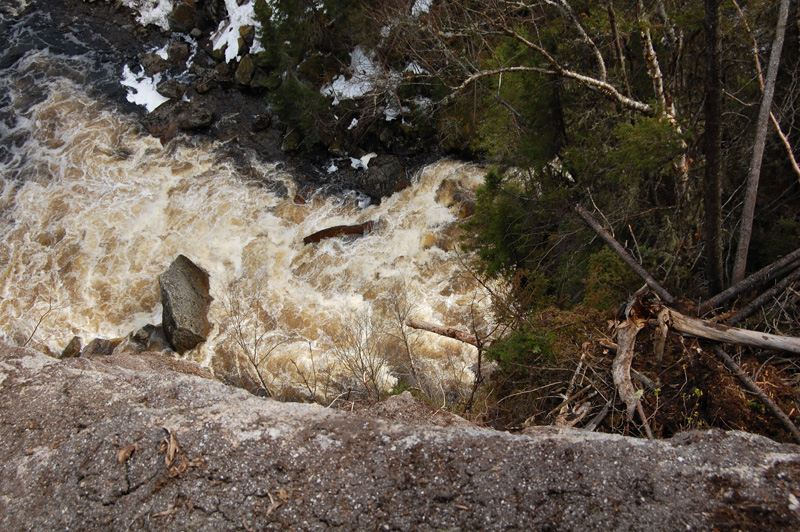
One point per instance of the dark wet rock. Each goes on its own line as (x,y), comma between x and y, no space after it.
(384,176)
(262,80)
(456,197)
(195,117)
(262,122)
(171,88)
(247,33)
(184,17)
(177,52)
(340,230)
(153,63)
(205,85)
(223,72)
(151,338)
(85,446)
(245,70)
(185,300)
(291,141)
(73,348)
(100,347)
(162,122)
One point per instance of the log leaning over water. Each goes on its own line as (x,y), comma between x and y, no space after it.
(449,332)
(340,230)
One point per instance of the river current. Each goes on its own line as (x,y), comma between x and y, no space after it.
(92,210)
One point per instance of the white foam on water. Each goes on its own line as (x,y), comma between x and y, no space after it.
(103,210)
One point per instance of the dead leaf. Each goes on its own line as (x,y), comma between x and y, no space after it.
(171,446)
(125,453)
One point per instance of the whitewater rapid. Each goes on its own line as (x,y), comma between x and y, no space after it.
(92,210)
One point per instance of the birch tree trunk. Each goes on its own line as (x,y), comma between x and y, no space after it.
(751,190)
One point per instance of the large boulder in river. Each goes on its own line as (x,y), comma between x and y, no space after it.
(386,175)
(185,299)
(145,443)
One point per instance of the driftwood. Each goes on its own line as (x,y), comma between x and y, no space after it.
(624,255)
(705,329)
(339,230)
(768,273)
(626,340)
(449,332)
(732,335)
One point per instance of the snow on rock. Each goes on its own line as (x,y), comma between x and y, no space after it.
(362,163)
(151,11)
(142,89)
(227,35)
(364,74)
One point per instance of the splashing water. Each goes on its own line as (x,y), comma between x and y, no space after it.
(92,211)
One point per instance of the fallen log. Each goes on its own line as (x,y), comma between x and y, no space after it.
(449,332)
(339,230)
(732,335)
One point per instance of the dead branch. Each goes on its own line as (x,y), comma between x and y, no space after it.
(774,270)
(449,332)
(732,335)
(761,300)
(624,255)
(751,385)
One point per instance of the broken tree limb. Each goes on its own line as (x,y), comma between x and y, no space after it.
(762,300)
(751,385)
(732,335)
(763,275)
(617,248)
(449,332)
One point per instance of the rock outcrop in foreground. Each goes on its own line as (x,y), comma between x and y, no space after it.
(138,443)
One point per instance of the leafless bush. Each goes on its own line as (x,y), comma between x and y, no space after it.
(360,347)
(251,327)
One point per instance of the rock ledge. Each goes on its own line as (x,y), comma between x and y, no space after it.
(119,444)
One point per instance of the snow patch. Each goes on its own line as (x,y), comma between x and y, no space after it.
(362,163)
(151,11)
(227,35)
(420,7)
(364,74)
(142,89)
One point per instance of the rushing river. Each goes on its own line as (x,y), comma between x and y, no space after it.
(92,210)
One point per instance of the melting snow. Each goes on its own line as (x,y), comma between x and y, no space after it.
(227,35)
(364,72)
(363,162)
(151,11)
(420,7)
(142,89)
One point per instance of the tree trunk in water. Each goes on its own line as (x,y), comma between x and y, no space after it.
(712,180)
(751,190)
